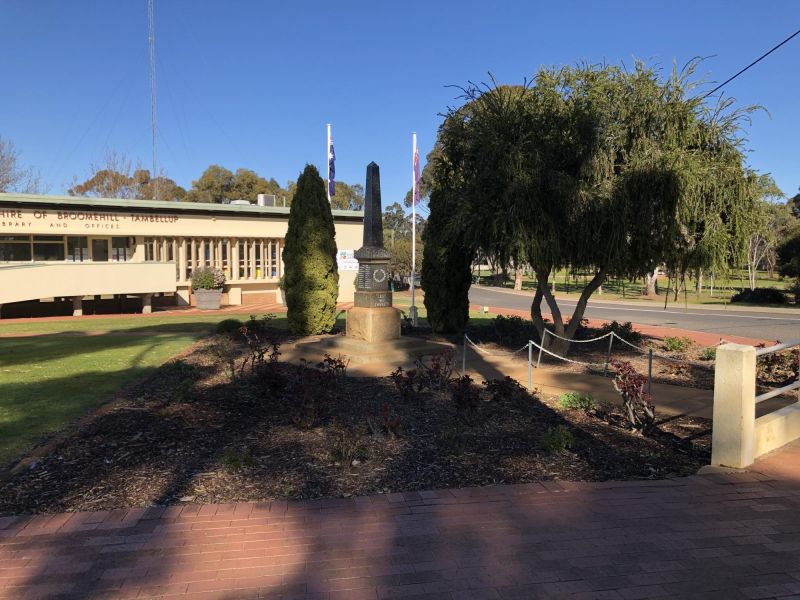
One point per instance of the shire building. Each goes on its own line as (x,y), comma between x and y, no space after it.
(70,255)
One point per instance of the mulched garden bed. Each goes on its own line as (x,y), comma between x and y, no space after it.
(190,434)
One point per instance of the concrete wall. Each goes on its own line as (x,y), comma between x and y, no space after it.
(48,280)
(738,438)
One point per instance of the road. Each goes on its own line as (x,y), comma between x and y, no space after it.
(761,325)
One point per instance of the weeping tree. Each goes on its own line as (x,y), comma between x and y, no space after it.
(584,168)
(717,209)
(311,278)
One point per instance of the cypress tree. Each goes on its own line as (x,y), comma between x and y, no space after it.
(311,279)
(446,270)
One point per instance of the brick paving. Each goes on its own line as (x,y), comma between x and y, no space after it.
(727,536)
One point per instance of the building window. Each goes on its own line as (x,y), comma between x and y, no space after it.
(15,248)
(120,249)
(77,248)
(149,249)
(48,248)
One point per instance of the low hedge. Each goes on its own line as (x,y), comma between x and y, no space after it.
(760,296)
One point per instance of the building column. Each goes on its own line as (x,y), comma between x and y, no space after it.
(147,304)
(138,249)
(194,254)
(182,260)
(77,306)
(252,259)
(234,258)
(261,247)
(164,250)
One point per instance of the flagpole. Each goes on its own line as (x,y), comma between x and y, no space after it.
(328,162)
(413,229)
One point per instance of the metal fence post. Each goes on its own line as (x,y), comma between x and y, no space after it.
(464,356)
(539,360)
(608,355)
(530,366)
(650,372)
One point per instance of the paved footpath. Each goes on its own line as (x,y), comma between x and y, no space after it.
(726,536)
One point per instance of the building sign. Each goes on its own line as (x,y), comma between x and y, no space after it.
(346,260)
(22,220)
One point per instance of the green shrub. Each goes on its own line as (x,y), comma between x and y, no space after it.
(311,278)
(513,331)
(794,290)
(225,351)
(347,445)
(576,401)
(506,389)
(558,439)
(207,279)
(234,460)
(760,296)
(624,330)
(259,325)
(466,397)
(708,354)
(677,344)
(229,327)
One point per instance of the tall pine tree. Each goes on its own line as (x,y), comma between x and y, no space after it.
(311,280)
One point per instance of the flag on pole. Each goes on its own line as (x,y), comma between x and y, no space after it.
(331,168)
(416,175)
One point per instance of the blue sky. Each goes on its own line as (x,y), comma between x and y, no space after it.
(252,84)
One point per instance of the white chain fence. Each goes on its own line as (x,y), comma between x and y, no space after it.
(611,335)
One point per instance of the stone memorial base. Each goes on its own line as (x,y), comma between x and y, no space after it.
(373,324)
(374,359)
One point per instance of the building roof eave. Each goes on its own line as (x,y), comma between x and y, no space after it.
(200,208)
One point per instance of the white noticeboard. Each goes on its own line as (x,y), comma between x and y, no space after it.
(346,260)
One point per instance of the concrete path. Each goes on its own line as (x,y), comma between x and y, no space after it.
(726,536)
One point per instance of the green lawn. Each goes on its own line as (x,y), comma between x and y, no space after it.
(65,368)
(625,289)
(48,381)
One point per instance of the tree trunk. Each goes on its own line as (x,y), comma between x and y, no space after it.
(518,272)
(699,283)
(555,345)
(651,281)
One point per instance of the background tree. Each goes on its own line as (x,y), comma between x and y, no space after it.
(789,255)
(597,169)
(214,185)
(13,176)
(115,177)
(348,197)
(768,220)
(396,223)
(794,205)
(397,237)
(311,279)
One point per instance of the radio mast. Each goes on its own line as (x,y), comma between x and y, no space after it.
(151,43)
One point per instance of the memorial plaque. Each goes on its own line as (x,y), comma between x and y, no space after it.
(372,277)
(373,299)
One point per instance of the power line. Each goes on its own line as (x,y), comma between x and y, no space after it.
(756,61)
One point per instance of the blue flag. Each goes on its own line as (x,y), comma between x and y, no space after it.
(331,170)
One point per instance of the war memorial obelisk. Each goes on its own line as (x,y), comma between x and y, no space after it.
(373,318)
(372,344)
